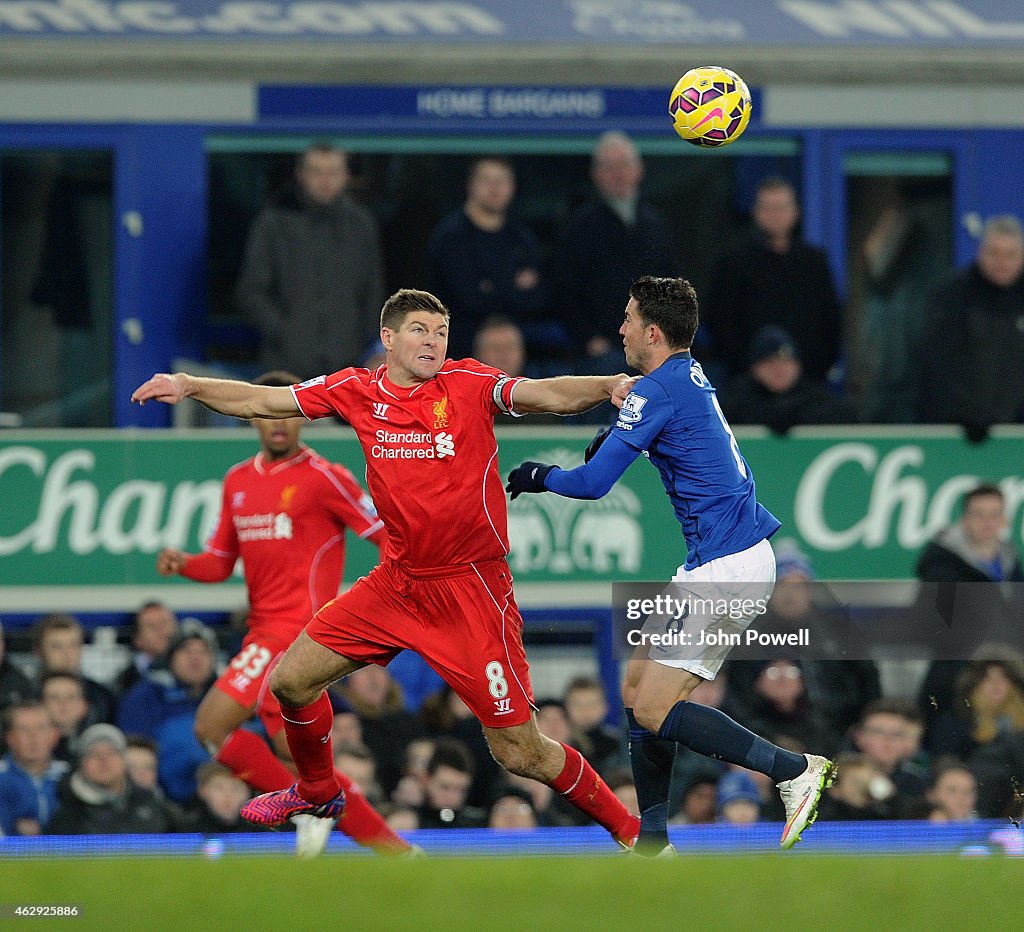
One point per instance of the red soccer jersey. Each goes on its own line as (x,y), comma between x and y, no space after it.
(431,456)
(287,522)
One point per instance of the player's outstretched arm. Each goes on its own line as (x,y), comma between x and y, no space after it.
(226,396)
(565,394)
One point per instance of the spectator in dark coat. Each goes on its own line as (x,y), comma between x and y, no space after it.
(57,641)
(153,627)
(98,798)
(970,591)
(604,247)
(15,687)
(220,796)
(482,262)
(973,346)
(163,707)
(775,391)
(774,278)
(312,279)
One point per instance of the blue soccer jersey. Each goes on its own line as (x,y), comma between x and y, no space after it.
(672,416)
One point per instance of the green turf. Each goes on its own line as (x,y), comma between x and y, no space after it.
(766,892)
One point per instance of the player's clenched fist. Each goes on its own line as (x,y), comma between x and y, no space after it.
(623,388)
(169,389)
(170,561)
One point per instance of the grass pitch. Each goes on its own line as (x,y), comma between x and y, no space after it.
(765,892)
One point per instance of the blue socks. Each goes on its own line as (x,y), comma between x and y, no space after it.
(712,733)
(652,759)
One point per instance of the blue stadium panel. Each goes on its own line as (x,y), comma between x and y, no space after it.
(973,838)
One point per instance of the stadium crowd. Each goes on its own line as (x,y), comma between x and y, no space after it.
(81,756)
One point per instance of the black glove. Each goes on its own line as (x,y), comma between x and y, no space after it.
(527,477)
(595,445)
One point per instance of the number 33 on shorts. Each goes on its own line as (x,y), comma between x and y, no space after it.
(252,660)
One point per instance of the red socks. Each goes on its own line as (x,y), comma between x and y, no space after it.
(308,730)
(364,824)
(250,759)
(579,783)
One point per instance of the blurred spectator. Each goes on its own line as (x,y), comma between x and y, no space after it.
(988,699)
(776,392)
(969,584)
(411,788)
(57,642)
(312,277)
(954,789)
(153,627)
(837,687)
(15,687)
(862,791)
(900,255)
(482,262)
(774,278)
(98,798)
(778,705)
(400,818)
(586,707)
(605,246)
(142,756)
(357,762)
(163,707)
(29,774)
(387,725)
(63,697)
(551,809)
(738,799)
(698,803)
(445,715)
(499,343)
(889,734)
(346,727)
(512,810)
(553,720)
(220,796)
(978,314)
(449,775)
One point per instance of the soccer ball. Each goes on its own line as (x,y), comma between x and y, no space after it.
(710,106)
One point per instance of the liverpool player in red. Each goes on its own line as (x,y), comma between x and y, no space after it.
(426,426)
(285,513)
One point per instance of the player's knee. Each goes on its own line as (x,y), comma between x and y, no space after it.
(649,712)
(285,689)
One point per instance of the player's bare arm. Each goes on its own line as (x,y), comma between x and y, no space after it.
(566,394)
(225,396)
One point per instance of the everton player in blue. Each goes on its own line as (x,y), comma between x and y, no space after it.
(672,416)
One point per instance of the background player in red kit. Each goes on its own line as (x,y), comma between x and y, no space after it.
(426,426)
(285,512)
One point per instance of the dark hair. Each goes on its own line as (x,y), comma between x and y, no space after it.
(60,675)
(579,683)
(210,769)
(501,160)
(7,718)
(321,147)
(902,708)
(946,764)
(144,742)
(279,378)
(985,490)
(55,621)
(451,752)
(404,302)
(671,305)
(775,183)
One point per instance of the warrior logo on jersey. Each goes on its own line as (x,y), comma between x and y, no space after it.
(441,413)
(632,407)
(287,494)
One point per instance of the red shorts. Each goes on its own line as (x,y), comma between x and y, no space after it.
(245,679)
(463,621)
